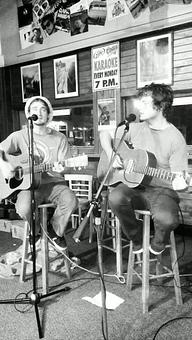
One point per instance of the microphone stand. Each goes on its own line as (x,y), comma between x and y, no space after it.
(94,205)
(83,224)
(35,299)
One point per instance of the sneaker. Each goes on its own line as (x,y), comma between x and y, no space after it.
(155,251)
(137,248)
(75,262)
(59,243)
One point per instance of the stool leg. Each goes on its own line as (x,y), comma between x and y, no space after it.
(118,242)
(175,269)
(91,228)
(130,266)
(67,264)
(145,267)
(113,230)
(44,251)
(24,251)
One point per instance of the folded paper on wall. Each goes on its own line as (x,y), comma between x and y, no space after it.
(155,4)
(116,9)
(136,6)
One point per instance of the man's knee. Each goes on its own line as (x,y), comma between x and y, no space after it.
(74,202)
(69,199)
(118,198)
(23,213)
(166,219)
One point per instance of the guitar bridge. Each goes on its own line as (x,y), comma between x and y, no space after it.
(18,173)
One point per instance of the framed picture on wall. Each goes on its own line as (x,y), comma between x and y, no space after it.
(154,60)
(106,112)
(30,81)
(65,77)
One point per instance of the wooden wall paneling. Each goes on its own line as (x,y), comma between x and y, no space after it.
(183,33)
(128,67)
(182,56)
(84,72)
(15,86)
(6,118)
(47,79)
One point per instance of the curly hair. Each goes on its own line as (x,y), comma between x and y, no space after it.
(161,94)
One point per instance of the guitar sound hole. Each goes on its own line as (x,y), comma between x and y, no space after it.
(14,183)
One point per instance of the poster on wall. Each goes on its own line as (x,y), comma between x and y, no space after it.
(105,67)
(106,111)
(30,81)
(79,22)
(65,77)
(154,60)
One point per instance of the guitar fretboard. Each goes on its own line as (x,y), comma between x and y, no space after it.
(44,167)
(153,172)
(79,161)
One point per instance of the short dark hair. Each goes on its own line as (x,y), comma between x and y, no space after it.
(162,95)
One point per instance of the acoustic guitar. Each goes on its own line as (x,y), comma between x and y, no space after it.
(139,168)
(22,173)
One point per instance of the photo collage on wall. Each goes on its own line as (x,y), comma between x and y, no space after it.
(39,19)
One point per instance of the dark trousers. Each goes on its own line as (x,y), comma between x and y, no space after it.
(163,204)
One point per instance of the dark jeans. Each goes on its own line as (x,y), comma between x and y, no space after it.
(163,204)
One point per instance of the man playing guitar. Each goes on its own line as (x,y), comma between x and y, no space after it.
(157,136)
(49,146)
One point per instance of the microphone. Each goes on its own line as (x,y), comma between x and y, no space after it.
(33,117)
(129,119)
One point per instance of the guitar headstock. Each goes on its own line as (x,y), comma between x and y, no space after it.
(77,162)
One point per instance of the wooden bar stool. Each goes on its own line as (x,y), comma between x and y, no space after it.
(44,250)
(113,240)
(161,271)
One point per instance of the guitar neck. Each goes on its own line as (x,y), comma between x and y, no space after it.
(44,167)
(158,173)
(79,161)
